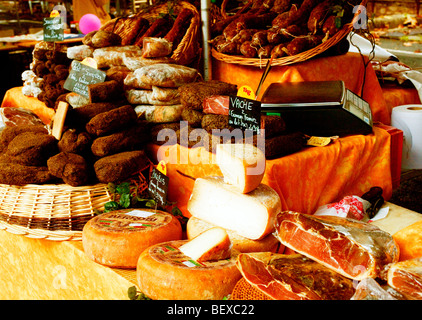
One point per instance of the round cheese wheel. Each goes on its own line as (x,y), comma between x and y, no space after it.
(117,238)
(165,273)
(196,226)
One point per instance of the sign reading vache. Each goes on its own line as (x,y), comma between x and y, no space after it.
(245,114)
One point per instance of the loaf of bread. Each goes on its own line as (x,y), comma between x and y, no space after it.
(155,96)
(163,75)
(192,95)
(113,56)
(154,47)
(79,52)
(136,62)
(159,114)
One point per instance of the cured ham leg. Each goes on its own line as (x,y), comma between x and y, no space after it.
(293,277)
(352,248)
(406,278)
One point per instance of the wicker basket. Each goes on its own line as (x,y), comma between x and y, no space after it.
(50,211)
(188,49)
(303,56)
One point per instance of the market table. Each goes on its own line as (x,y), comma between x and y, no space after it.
(45,269)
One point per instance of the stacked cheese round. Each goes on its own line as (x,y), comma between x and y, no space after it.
(165,273)
(270,243)
(117,238)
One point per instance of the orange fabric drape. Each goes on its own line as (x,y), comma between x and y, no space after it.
(304,180)
(348,67)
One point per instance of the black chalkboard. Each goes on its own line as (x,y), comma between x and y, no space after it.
(53,29)
(245,114)
(80,76)
(158,186)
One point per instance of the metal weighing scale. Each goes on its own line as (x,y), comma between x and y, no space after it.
(318,108)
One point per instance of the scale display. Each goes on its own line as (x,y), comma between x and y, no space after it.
(318,108)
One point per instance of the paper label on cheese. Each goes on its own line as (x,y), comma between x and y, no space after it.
(140,213)
(133,220)
(169,253)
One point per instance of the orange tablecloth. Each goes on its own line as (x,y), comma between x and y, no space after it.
(348,67)
(304,180)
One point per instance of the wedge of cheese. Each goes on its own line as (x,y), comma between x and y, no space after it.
(242,165)
(251,215)
(270,243)
(213,244)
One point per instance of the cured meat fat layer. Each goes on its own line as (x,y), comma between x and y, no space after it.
(352,248)
(293,277)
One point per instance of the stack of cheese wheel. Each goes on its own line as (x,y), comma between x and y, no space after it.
(230,214)
(117,238)
(203,268)
(238,201)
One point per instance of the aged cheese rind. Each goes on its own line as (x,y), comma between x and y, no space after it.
(251,215)
(165,273)
(270,243)
(117,238)
(212,244)
(242,165)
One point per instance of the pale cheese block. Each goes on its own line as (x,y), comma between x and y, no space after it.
(242,165)
(117,238)
(270,243)
(212,244)
(165,273)
(251,215)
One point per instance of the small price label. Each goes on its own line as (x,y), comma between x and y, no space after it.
(158,186)
(53,29)
(81,76)
(246,92)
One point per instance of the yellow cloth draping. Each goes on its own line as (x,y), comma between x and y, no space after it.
(45,270)
(304,180)
(348,67)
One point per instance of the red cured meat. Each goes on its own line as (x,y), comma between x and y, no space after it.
(352,248)
(216,105)
(19,117)
(293,277)
(406,278)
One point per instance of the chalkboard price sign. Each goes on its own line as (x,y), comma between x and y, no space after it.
(245,114)
(158,186)
(81,76)
(53,29)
